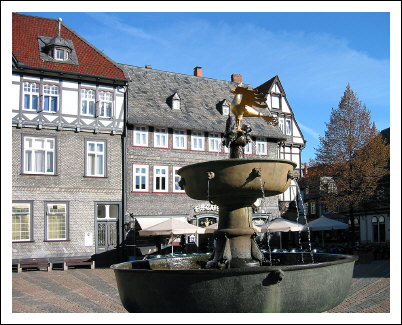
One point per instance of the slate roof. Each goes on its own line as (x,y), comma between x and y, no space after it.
(26,31)
(150,90)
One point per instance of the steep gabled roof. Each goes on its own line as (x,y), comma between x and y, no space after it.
(27,33)
(266,87)
(148,103)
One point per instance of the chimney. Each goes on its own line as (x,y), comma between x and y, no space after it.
(198,71)
(236,77)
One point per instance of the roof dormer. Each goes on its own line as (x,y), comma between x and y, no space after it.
(174,101)
(223,107)
(57,49)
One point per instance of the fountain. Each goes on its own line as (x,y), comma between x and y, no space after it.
(236,277)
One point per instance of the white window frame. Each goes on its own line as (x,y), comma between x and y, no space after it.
(248,149)
(19,224)
(261,143)
(164,175)
(48,149)
(161,139)
(180,137)
(50,95)
(176,104)
(214,142)
(278,97)
(31,89)
(59,50)
(140,136)
(197,141)
(105,104)
(176,178)
(95,172)
(281,124)
(142,175)
(288,126)
(225,110)
(88,96)
(50,205)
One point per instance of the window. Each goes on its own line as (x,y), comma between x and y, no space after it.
(21,223)
(88,102)
(261,147)
(305,208)
(140,136)
(214,142)
(288,129)
(276,101)
(160,138)
(281,124)
(312,207)
(56,221)
(105,103)
(107,211)
(50,98)
(378,229)
(179,139)
(60,54)
(39,155)
(31,96)
(160,179)
(140,178)
(176,101)
(95,158)
(248,149)
(176,178)
(197,141)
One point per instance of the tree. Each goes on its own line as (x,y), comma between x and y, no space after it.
(353,154)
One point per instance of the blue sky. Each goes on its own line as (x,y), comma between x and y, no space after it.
(315,54)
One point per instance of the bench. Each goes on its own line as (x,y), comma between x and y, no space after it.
(78,261)
(30,263)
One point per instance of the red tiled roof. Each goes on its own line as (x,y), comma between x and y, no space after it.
(26,29)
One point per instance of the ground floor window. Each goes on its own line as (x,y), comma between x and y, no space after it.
(56,221)
(21,222)
(378,229)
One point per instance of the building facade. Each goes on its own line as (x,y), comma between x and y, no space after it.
(176,120)
(68,122)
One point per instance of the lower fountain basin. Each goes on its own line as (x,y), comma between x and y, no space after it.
(180,285)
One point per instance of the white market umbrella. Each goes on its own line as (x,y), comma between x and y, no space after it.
(211,228)
(281,225)
(170,228)
(324,223)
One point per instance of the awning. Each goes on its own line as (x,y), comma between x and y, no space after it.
(146,222)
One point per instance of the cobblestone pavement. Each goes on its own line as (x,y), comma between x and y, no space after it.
(95,291)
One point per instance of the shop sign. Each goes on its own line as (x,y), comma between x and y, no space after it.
(206,208)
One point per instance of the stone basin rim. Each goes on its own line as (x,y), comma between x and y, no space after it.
(238,161)
(249,270)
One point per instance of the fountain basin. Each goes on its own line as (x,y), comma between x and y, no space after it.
(181,285)
(222,181)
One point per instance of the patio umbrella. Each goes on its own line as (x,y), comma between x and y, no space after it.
(170,228)
(323,223)
(281,225)
(211,228)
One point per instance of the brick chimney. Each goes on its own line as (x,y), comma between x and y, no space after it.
(236,77)
(198,71)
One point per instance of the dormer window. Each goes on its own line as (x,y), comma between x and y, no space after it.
(175,101)
(60,54)
(224,107)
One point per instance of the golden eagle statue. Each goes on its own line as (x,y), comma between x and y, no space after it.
(243,102)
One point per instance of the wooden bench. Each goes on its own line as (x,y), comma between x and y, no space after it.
(30,263)
(78,261)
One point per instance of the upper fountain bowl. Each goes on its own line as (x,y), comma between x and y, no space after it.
(232,181)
